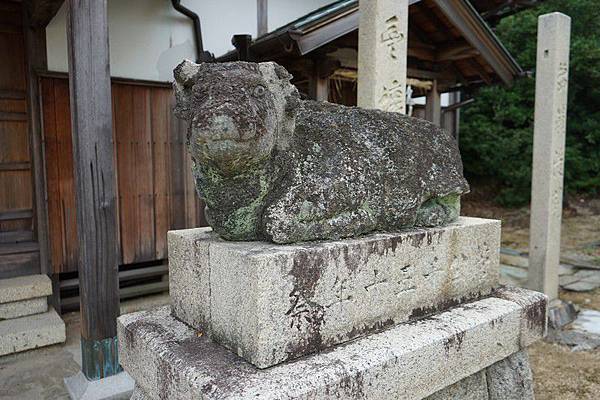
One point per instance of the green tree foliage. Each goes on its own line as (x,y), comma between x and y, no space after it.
(497,129)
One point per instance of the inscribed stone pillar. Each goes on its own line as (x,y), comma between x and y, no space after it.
(382,41)
(552,70)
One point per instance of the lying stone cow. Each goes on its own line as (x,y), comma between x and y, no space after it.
(271,166)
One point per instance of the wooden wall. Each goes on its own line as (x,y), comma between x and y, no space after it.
(154,182)
(19,253)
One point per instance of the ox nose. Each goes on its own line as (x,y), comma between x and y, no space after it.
(222,127)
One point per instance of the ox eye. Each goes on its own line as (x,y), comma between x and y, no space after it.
(259,91)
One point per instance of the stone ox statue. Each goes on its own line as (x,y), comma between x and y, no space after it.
(271,166)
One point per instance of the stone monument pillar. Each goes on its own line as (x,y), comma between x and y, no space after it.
(382,49)
(552,74)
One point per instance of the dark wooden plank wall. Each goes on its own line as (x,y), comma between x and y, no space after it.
(18,251)
(155,186)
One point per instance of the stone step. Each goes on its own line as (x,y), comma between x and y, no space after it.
(169,359)
(22,308)
(24,288)
(31,332)
(270,303)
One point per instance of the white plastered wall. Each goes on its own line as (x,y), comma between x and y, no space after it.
(148,38)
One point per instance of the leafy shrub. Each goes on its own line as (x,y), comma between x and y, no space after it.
(497,129)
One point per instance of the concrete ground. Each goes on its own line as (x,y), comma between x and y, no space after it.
(38,374)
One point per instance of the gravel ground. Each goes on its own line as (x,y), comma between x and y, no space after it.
(560,374)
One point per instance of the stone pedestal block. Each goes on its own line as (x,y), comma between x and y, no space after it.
(169,359)
(270,303)
(508,379)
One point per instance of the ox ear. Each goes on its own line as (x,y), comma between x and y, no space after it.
(185,75)
(280,85)
(186,72)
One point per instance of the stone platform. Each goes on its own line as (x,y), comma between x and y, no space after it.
(26,322)
(270,303)
(413,360)
(31,332)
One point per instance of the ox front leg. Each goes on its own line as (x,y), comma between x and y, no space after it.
(438,211)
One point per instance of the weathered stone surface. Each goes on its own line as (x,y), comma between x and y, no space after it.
(472,387)
(22,308)
(168,359)
(511,378)
(507,379)
(273,167)
(24,287)
(138,394)
(534,318)
(269,303)
(31,332)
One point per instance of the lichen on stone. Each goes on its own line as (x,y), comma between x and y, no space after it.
(271,166)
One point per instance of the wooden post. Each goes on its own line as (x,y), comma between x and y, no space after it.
(91,119)
(318,87)
(262,17)
(433,105)
(382,54)
(550,121)
(35,45)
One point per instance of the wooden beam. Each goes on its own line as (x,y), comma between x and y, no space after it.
(480,71)
(456,51)
(41,12)
(94,170)
(262,17)
(13,116)
(472,27)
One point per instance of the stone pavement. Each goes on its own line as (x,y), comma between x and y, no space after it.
(581,329)
(38,374)
(576,276)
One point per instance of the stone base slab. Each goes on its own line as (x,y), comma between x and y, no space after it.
(115,387)
(21,308)
(270,303)
(508,379)
(169,359)
(24,287)
(31,332)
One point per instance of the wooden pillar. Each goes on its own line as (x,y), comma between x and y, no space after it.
(262,17)
(318,88)
(382,54)
(94,165)
(319,70)
(35,45)
(550,121)
(433,105)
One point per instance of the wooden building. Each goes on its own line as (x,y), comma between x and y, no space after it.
(155,190)
(450,48)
